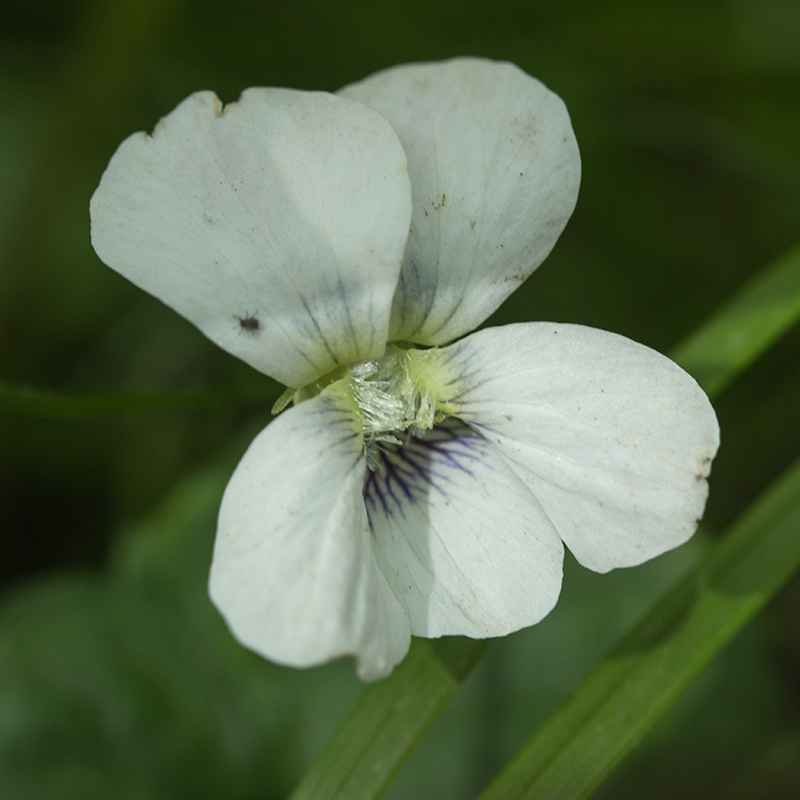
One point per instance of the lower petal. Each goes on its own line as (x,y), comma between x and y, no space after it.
(294,571)
(462,541)
(614,439)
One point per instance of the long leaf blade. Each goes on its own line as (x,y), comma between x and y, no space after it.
(756,317)
(41,404)
(630,690)
(388,720)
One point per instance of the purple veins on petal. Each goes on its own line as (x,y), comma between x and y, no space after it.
(406,473)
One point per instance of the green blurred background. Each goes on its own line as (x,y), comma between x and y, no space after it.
(117,680)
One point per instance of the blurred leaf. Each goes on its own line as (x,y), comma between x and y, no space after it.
(389,720)
(171,548)
(760,313)
(96,405)
(130,686)
(629,691)
(109,692)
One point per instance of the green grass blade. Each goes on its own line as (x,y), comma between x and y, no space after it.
(388,720)
(30,402)
(629,691)
(756,317)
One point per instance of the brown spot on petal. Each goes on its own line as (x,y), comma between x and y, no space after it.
(440,203)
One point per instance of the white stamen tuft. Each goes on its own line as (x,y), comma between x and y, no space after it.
(399,391)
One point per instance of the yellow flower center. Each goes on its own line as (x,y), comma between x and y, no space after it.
(407,388)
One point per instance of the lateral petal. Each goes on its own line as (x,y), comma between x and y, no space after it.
(276,224)
(294,572)
(614,439)
(461,540)
(495,171)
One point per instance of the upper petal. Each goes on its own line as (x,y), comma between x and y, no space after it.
(294,573)
(291,208)
(461,540)
(614,439)
(495,171)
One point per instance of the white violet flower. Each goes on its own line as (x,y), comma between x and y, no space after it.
(421,483)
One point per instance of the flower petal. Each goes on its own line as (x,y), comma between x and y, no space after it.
(275,224)
(495,172)
(460,538)
(294,573)
(614,439)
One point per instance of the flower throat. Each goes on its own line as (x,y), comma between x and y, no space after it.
(406,388)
